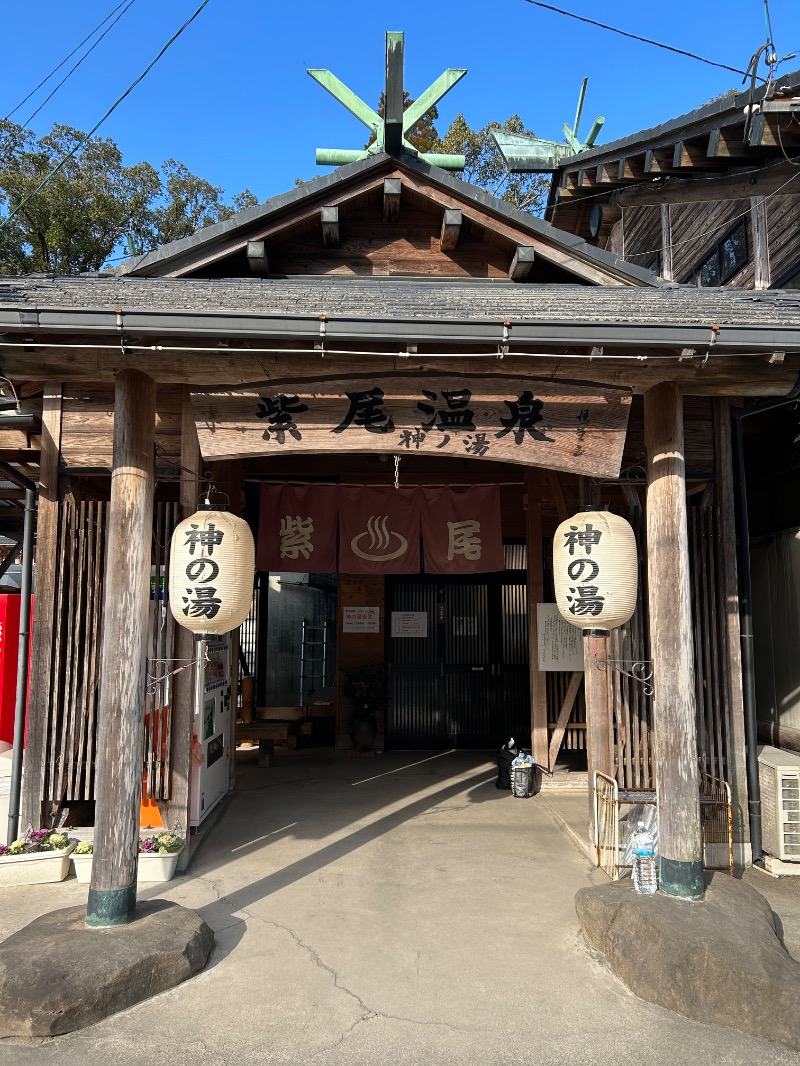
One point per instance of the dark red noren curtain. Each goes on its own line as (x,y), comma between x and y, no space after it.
(462,530)
(379,531)
(297,529)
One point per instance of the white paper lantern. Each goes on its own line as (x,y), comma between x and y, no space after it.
(595,570)
(211,572)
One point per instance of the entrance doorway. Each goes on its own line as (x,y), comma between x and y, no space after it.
(465,684)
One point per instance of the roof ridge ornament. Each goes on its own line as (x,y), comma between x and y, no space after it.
(534,155)
(391,129)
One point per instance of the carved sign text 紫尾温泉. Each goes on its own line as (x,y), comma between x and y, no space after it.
(520,420)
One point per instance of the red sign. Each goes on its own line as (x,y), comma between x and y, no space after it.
(462,531)
(379,531)
(297,529)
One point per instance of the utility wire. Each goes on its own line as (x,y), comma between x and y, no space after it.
(97,125)
(635,37)
(72,69)
(66,59)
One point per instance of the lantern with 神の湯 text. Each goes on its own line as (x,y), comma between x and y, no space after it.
(211,572)
(595,570)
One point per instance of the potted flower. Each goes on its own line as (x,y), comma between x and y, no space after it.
(365,687)
(39,857)
(158,857)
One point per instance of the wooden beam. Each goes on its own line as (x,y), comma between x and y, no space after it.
(759,234)
(176,808)
(44,617)
(563,718)
(695,156)
(392,188)
(729,611)
(535,592)
(733,375)
(393,97)
(257,257)
(599,729)
(666,243)
(329,219)
(732,186)
(669,587)
(451,228)
(521,263)
(727,143)
(118,782)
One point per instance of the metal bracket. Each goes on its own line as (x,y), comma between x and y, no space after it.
(638,671)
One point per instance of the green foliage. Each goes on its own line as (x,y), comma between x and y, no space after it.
(486,169)
(82,215)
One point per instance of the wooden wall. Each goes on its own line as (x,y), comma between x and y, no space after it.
(356,650)
(696,227)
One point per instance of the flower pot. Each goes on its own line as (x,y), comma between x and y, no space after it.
(83,868)
(363,729)
(35,867)
(155,866)
(152,867)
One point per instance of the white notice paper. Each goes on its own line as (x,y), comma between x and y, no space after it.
(560,644)
(409,623)
(361,619)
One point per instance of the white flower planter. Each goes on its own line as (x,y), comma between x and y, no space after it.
(157,867)
(152,867)
(35,867)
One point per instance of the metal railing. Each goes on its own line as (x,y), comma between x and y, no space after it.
(613,829)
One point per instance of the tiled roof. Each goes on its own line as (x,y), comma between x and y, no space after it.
(398,299)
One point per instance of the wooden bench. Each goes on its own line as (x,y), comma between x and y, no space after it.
(266,733)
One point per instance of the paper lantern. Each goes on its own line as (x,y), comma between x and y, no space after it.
(595,570)
(211,572)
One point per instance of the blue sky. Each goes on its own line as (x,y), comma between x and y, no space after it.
(232,101)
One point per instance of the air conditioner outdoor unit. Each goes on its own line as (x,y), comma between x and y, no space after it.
(779,774)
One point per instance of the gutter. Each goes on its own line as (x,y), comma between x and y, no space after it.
(746,612)
(731,339)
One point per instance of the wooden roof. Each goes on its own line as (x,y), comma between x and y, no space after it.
(739,133)
(342,222)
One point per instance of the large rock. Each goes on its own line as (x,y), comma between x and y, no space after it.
(718,960)
(57,975)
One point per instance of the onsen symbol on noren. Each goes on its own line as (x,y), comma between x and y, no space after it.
(380,542)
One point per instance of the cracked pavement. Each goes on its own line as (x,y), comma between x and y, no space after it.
(355,928)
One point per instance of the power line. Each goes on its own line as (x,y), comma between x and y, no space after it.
(635,37)
(66,59)
(97,125)
(85,55)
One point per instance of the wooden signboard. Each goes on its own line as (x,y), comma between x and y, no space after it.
(575,428)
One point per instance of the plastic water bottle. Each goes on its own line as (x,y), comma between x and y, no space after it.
(645,878)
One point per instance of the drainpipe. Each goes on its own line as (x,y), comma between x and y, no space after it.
(746,611)
(24,646)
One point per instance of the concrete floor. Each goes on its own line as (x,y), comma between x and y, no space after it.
(397,910)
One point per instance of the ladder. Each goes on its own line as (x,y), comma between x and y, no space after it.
(313,659)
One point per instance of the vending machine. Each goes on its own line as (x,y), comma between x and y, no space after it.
(211,741)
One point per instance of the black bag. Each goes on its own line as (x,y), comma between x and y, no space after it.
(505,757)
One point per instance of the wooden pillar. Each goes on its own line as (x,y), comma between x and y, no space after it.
(176,809)
(597,693)
(533,529)
(44,618)
(728,596)
(112,895)
(666,243)
(677,774)
(760,239)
